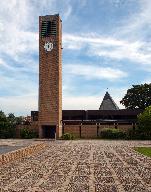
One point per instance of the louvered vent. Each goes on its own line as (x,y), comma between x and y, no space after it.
(48,28)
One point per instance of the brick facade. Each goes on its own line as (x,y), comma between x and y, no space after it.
(50,77)
(73,129)
(88,131)
(50,113)
(93,131)
(81,130)
(32,126)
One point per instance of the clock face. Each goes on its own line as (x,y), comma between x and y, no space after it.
(48,46)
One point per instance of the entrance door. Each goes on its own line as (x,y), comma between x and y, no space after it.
(49,131)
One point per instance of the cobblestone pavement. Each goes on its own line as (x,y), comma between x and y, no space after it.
(81,166)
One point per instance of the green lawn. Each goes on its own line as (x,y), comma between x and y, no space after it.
(144,150)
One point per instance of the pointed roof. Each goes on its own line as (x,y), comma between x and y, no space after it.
(108,103)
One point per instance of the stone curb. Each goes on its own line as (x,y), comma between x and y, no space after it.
(20,153)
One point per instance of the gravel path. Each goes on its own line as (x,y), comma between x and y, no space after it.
(81,166)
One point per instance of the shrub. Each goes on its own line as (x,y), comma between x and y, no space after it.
(144,120)
(68,136)
(112,133)
(28,134)
(7,130)
(138,135)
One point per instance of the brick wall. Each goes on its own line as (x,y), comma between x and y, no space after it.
(125,128)
(33,126)
(88,131)
(74,129)
(91,131)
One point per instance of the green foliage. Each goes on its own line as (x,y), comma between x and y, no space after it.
(7,128)
(139,96)
(143,131)
(112,133)
(8,125)
(28,134)
(11,118)
(3,117)
(144,150)
(138,135)
(19,120)
(68,136)
(144,120)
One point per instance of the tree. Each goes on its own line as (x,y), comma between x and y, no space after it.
(139,96)
(3,116)
(11,118)
(26,133)
(7,125)
(144,120)
(19,120)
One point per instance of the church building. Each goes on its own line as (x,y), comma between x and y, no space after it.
(52,120)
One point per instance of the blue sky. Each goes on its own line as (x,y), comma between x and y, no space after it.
(107,44)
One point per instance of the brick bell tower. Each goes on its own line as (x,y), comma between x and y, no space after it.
(50,76)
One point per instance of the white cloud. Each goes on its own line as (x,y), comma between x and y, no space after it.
(88,101)
(85,102)
(17,85)
(92,102)
(135,51)
(18,39)
(67,13)
(22,43)
(19,20)
(94,72)
(92,38)
(4,65)
(19,105)
(1,62)
(81,102)
(137,23)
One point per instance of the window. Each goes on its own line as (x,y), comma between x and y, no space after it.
(48,28)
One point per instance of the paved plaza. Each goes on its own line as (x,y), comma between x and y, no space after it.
(8,145)
(80,166)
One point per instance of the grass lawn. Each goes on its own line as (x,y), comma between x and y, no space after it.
(144,150)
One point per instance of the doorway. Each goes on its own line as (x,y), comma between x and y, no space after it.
(49,131)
